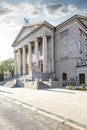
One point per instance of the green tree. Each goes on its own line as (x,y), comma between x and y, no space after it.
(5,66)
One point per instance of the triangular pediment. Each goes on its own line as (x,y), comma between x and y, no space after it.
(80,18)
(26,30)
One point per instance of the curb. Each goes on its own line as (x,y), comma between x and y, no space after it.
(72,124)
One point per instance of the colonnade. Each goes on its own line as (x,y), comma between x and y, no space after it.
(20,59)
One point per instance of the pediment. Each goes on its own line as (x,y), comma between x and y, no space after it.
(24,32)
(28,29)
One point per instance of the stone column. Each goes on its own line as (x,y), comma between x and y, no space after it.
(30,58)
(52,53)
(19,61)
(44,54)
(24,60)
(15,63)
(36,52)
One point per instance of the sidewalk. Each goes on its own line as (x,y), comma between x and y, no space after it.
(68,104)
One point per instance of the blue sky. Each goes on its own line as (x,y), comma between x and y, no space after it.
(12,13)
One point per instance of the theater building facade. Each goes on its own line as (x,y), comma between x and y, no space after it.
(59,51)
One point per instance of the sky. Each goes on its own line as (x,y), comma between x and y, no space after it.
(13,12)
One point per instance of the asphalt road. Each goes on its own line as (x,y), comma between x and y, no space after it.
(17,117)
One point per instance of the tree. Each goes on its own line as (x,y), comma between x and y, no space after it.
(5,66)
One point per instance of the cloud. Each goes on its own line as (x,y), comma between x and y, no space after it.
(21,9)
(59,9)
(4,10)
(35,12)
(72,8)
(29,10)
(52,7)
(13,15)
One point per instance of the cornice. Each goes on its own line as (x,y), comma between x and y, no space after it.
(41,25)
(44,23)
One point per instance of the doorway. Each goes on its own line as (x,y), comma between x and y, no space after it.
(82,78)
(41,65)
(64,76)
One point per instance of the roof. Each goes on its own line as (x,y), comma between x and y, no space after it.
(35,26)
(78,17)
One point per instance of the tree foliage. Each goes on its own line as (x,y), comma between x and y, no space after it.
(5,66)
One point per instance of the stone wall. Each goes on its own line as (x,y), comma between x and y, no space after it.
(66,50)
(42,84)
(42,76)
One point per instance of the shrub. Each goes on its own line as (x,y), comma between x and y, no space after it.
(69,87)
(81,87)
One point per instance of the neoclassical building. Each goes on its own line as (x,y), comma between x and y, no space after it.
(59,52)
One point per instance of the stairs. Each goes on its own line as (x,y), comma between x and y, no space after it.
(12,84)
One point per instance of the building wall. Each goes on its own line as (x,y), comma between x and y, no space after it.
(82,70)
(67,49)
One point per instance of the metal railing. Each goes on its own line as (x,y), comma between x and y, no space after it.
(66,83)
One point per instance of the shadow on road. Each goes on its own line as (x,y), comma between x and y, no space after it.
(53,90)
(5,92)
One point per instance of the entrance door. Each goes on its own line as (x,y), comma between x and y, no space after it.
(41,67)
(64,76)
(82,78)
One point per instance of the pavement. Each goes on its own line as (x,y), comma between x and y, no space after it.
(67,106)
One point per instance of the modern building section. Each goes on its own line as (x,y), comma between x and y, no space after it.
(57,52)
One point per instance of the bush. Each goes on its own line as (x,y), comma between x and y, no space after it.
(69,87)
(4,66)
(81,87)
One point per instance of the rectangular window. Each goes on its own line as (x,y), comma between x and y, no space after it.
(85,36)
(64,33)
(86,49)
(79,45)
(82,78)
(81,32)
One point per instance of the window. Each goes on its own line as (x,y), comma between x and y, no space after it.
(64,33)
(81,32)
(85,36)
(86,49)
(82,78)
(80,45)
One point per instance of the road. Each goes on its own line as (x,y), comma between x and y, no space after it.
(16,117)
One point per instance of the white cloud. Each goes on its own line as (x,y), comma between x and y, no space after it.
(15,13)
(23,8)
(11,20)
(59,9)
(72,8)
